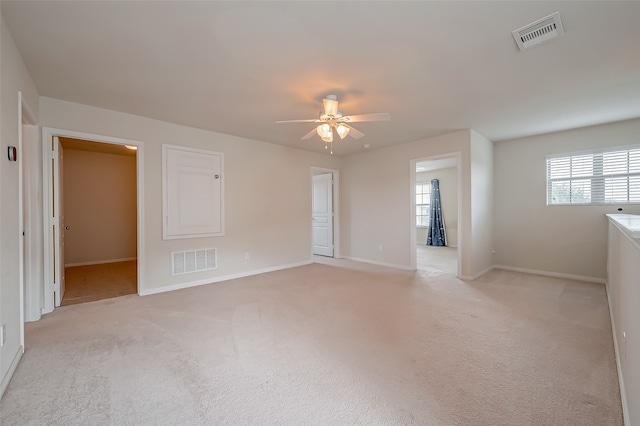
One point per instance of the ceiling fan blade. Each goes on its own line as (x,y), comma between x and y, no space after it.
(380,116)
(354,133)
(308,135)
(310,120)
(330,106)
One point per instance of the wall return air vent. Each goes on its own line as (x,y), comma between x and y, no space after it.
(542,30)
(184,262)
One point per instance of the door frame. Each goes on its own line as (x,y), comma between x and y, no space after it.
(25,117)
(30,265)
(47,135)
(58,203)
(336,208)
(412,233)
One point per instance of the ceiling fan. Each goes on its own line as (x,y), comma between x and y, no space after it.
(332,121)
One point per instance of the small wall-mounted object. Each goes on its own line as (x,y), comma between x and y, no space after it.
(12,153)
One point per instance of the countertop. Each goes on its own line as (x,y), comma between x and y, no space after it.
(631,223)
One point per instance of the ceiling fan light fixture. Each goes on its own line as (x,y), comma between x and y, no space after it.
(332,121)
(342,130)
(323,130)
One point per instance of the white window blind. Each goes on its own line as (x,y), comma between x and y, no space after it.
(598,177)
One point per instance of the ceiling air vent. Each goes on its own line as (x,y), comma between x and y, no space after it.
(542,30)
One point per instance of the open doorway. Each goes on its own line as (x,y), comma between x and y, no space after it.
(98,192)
(93,208)
(436,176)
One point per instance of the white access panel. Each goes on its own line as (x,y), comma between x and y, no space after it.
(193,193)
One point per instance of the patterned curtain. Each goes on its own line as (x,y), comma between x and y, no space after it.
(435,234)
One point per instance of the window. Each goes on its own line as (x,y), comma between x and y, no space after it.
(423,198)
(599,177)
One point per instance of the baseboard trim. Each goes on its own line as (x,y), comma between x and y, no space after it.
(421,243)
(476,276)
(551,274)
(12,368)
(373,262)
(623,394)
(180,286)
(99,262)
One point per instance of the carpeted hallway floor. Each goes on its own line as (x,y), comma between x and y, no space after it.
(321,344)
(89,283)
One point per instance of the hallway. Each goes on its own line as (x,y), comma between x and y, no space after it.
(96,282)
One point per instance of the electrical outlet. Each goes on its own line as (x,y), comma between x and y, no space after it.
(246,255)
(3,334)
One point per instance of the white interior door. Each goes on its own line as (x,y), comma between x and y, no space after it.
(322,221)
(58,221)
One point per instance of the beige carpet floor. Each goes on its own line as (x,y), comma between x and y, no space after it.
(437,261)
(89,283)
(327,344)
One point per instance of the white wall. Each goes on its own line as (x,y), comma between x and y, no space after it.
(481,203)
(376,200)
(624,298)
(33,221)
(449,198)
(529,234)
(267,191)
(13,78)
(99,206)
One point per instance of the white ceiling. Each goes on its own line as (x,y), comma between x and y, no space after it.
(441,163)
(91,146)
(237,67)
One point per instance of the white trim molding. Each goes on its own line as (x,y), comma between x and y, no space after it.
(476,276)
(206,281)
(412,222)
(549,274)
(12,368)
(373,262)
(99,262)
(47,134)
